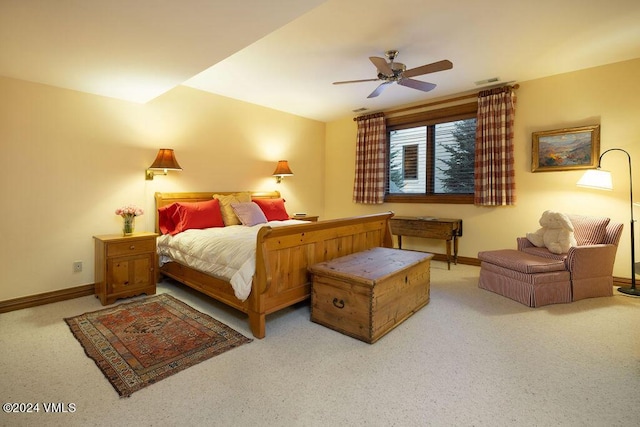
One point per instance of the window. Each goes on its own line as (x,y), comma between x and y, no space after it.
(431,156)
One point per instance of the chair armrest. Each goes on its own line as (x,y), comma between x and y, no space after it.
(591,260)
(524,243)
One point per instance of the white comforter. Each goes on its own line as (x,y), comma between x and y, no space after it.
(227,253)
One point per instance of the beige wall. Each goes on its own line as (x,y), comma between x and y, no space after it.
(607,95)
(70,159)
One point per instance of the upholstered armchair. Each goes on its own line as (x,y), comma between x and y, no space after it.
(591,262)
(535,276)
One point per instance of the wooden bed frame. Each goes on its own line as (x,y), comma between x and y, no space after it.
(282,257)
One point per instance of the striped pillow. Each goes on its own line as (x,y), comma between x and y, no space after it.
(589,230)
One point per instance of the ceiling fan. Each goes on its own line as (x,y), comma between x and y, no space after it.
(391,71)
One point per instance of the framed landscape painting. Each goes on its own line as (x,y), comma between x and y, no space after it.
(565,149)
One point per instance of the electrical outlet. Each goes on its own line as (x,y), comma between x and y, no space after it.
(77,266)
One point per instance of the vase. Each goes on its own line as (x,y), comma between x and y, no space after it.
(129,225)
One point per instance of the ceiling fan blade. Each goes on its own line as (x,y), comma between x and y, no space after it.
(378,90)
(417,84)
(355,81)
(381,65)
(429,68)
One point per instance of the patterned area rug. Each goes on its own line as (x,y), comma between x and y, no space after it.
(139,343)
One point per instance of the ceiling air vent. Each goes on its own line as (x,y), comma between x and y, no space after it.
(487,81)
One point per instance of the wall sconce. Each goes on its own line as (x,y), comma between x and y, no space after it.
(282,170)
(165,161)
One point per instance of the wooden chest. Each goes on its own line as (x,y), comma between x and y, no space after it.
(366,294)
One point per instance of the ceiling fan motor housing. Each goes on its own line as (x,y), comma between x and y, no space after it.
(397,67)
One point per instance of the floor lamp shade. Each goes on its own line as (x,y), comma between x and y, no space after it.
(596,178)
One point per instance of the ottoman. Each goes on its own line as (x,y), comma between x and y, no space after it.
(529,279)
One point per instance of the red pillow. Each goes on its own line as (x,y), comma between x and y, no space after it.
(165,218)
(273,209)
(197,215)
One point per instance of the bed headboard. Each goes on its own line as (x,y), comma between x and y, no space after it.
(164,199)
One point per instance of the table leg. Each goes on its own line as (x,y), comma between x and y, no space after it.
(455,250)
(399,241)
(448,254)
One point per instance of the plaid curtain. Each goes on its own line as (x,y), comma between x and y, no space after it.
(371,159)
(494,163)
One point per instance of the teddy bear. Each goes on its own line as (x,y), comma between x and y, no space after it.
(556,233)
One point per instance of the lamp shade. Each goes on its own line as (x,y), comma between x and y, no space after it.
(596,178)
(165,160)
(282,169)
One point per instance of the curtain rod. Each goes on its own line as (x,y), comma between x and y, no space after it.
(442,101)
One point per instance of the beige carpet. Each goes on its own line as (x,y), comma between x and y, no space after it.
(470,357)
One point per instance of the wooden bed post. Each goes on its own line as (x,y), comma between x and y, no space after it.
(261,281)
(257,323)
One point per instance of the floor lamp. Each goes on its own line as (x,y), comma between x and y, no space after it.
(601,179)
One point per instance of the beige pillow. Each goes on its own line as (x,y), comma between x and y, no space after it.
(228,215)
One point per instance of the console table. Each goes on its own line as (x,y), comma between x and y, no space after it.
(448,229)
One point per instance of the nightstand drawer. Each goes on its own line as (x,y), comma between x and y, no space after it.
(132,247)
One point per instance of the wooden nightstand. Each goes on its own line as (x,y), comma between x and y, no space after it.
(312,218)
(125,266)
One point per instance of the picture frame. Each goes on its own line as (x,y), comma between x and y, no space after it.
(565,149)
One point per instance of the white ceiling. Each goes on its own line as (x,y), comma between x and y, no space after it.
(285,54)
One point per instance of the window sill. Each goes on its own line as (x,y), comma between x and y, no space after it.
(454,199)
